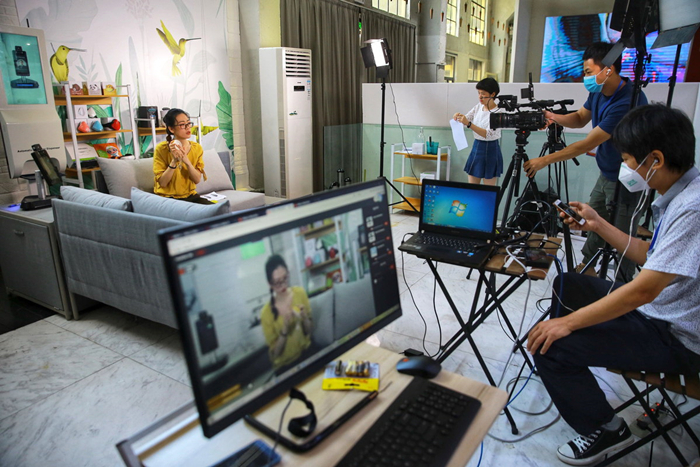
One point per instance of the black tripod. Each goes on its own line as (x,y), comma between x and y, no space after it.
(511,182)
(381,152)
(553,144)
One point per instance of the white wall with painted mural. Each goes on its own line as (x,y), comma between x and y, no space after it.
(172,53)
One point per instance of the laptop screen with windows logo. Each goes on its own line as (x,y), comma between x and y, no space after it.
(460,207)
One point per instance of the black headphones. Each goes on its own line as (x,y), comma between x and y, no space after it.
(302,426)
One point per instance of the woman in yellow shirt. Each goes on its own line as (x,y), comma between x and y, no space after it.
(177,162)
(286,318)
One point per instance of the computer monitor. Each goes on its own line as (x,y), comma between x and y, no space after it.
(232,278)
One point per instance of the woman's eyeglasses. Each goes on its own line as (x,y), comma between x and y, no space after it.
(185,126)
(281,281)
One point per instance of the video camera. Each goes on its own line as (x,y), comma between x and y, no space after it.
(520,120)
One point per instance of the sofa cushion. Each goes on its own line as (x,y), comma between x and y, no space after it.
(241,200)
(217,178)
(95,198)
(121,175)
(159,206)
(322,315)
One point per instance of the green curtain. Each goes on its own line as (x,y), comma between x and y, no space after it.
(330,29)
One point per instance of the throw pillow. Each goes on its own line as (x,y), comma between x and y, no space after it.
(217,178)
(322,314)
(121,175)
(159,206)
(354,304)
(94,198)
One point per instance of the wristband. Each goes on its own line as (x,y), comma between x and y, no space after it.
(170,166)
(469,125)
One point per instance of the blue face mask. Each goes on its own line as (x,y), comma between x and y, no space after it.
(591,83)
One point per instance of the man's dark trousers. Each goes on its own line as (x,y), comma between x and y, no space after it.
(631,342)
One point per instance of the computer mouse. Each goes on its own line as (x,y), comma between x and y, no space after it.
(420,365)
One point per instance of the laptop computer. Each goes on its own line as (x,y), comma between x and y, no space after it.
(457,223)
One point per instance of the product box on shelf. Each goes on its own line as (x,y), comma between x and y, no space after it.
(80,111)
(109,88)
(92,88)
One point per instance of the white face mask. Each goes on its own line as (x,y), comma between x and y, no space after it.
(631,178)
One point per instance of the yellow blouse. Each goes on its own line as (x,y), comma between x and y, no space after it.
(297,340)
(180,185)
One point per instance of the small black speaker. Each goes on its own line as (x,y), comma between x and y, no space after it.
(147,112)
(206,333)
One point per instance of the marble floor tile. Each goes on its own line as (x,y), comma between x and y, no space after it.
(41,359)
(81,425)
(68,394)
(117,330)
(407,278)
(165,357)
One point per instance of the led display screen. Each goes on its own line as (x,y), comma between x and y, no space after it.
(566,38)
(22,73)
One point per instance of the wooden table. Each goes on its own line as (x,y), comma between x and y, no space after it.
(178,439)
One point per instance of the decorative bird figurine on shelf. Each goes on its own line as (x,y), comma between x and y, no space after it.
(176,48)
(59,63)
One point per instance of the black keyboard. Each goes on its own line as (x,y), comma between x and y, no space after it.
(423,427)
(451,242)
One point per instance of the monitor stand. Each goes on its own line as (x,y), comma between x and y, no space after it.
(313,440)
(40,200)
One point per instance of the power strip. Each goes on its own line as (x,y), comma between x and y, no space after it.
(643,425)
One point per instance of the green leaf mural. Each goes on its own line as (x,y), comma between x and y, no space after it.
(223,113)
(205,130)
(145,143)
(186,16)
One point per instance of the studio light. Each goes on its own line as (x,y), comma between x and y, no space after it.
(378,54)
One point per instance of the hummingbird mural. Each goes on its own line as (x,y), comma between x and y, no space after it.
(176,48)
(59,63)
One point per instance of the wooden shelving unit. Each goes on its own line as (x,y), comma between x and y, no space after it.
(73,136)
(443,156)
(93,135)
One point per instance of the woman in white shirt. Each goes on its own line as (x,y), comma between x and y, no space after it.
(485,161)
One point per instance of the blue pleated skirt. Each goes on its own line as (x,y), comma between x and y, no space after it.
(485,160)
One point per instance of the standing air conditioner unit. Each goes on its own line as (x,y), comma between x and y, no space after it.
(285,98)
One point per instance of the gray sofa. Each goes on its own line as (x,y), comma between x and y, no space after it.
(109,244)
(120,176)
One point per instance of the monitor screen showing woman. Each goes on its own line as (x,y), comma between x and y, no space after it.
(264,302)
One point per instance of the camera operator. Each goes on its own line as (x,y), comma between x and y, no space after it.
(608,101)
(649,324)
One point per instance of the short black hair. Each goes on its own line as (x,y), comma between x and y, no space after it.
(598,50)
(489,85)
(656,126)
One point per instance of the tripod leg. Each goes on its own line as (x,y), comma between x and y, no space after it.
(415,209)
(568,248)
(506,185)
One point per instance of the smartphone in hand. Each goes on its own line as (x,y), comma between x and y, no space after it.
(566,209)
